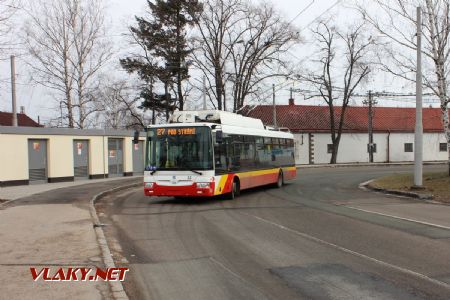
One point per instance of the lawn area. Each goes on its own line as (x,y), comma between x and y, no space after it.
(437,184)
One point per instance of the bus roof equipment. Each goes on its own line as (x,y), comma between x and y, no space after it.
(216,116)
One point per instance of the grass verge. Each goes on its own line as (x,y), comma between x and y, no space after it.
(437,184)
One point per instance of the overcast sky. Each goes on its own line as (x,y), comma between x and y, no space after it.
(121,13)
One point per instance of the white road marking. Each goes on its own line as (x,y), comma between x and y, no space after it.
(400,218)
(377,261)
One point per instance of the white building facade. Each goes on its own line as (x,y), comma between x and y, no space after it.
(312,148)
(393,133)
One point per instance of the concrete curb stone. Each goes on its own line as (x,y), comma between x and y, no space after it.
(367,185)
(116,287)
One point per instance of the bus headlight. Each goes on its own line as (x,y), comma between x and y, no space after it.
(148,185)
(203,185)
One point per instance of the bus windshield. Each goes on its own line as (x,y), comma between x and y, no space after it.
(179,148)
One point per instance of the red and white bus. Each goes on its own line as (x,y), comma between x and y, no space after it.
(210,153)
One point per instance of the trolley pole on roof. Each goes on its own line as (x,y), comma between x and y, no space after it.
(418,137)
(274,109)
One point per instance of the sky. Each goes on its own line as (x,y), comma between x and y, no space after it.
(120,14)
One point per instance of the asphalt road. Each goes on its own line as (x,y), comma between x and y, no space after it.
(302,241)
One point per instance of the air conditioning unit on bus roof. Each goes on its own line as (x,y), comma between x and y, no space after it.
(215,116)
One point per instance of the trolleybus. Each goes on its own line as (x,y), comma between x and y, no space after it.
(211,153)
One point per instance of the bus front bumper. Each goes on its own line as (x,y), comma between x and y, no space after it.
(180,191)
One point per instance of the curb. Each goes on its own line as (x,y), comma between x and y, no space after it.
(116,287)
(366,185)
(430,163)
(4,202)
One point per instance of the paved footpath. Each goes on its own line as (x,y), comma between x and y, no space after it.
(50,229)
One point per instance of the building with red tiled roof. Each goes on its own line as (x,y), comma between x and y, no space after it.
(22,119)
(305,118)
(393,132)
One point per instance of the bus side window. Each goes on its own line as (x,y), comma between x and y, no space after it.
(236,156)
(221,157)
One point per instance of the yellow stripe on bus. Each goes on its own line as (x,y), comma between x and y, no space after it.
(223,179)
(263,172)
(221,186)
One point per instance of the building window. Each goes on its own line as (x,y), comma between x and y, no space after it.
(443,147)
(408,147)
(330,148)
(374,148)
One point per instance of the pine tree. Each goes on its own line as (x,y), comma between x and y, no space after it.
(163,39)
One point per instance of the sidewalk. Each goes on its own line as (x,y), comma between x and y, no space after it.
(51,229)
(16,192)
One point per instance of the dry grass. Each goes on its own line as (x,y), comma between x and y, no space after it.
(437,184)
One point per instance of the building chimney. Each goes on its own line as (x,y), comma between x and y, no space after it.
(22,110)
(291,99)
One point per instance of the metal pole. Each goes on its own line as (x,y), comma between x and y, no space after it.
(204,92)
(13,91)
(370,128)
(418,138)
(274,108)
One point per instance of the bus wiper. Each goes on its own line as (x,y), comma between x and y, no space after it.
(153,172)
(184,165)
(197,172)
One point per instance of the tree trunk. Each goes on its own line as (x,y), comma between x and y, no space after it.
(68,87)
(166,96)
(334,153)
(179,81)
(69,109)
(336,139)
(445,119)
(219,87)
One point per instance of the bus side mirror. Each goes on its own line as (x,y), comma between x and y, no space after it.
(136,137)
(219,137)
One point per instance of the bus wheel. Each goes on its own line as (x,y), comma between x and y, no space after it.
(280,180)
(235,190)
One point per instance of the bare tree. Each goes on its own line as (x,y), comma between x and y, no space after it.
(119,105)
(266,37)
(66,40)
(398,25)
(8,9)
(213,47)
(339,74)
(242,44)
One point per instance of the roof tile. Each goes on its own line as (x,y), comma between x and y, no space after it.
(22,120)
(305,118)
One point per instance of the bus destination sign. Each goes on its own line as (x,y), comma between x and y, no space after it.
(175,131)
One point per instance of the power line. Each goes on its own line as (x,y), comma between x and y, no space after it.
(318,17)
(19,83)
(302,11)
(309,24)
